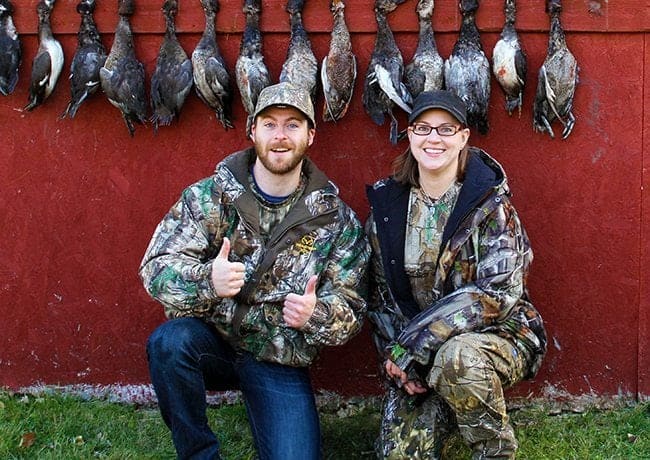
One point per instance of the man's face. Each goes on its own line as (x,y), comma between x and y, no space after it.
(281,135)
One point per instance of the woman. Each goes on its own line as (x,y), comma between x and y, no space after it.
(453,321)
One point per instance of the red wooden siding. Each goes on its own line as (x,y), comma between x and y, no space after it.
(79,198)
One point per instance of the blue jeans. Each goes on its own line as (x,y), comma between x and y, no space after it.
(187,357)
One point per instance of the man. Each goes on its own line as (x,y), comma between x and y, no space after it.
(258,267)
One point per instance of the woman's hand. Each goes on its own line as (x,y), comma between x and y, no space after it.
(412,387)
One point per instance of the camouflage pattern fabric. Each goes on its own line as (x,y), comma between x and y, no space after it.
(477,331)
(319,235)
(467,380)
(479,284)
(426,223)
(285,93)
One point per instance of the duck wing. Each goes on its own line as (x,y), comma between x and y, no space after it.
(122,77)
(88,59)
(425,72)
(211,78)
(467,70)
(251,73)
(383,85)
(300,67)
(339,67)
(125,89)
(557,80)
(48,62)
(509,62)
(172,79)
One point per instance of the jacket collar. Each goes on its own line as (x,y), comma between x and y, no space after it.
(239,164)
(389,201)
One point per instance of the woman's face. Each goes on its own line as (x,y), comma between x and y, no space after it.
(437,155)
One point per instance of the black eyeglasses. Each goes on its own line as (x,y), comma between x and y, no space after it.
(442,130)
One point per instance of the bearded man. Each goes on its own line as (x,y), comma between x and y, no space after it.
(258,267)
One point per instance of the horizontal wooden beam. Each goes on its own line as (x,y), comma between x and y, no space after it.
(578,16)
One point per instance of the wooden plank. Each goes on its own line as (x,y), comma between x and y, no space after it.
(644,303)
(587,16)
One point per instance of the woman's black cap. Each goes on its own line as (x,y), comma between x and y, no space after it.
(439,99)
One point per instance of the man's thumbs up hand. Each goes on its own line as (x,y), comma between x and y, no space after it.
(227,277)
(299,308)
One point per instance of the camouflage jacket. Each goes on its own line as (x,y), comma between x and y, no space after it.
(479,280)
(320,235)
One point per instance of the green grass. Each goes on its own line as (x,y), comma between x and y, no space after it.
(65,427)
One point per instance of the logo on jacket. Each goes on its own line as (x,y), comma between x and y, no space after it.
(306,244)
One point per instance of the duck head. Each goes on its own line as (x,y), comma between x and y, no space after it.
(86,7)
(387,6)
(210,6)
(126,7)
(6,9)
(170,8)
(468,6)
(554,7)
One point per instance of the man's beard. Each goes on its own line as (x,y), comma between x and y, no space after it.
(287,165)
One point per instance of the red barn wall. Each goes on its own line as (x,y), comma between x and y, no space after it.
(79,198)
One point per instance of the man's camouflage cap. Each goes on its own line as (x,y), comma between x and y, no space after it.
(285,94)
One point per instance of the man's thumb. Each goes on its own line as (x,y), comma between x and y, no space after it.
(225,249)
(311,285)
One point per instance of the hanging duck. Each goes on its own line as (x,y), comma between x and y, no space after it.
(383,86)
(122,76)
(338,71)
(300,67)
(48,62)
(251,73)
(558,78)
(211,79)
(10,49)
(467,71)
(172,79)
(426,71)
(88,59)
(509,61)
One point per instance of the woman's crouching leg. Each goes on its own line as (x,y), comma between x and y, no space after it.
(470,372)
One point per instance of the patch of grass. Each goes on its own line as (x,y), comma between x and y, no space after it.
(58,426)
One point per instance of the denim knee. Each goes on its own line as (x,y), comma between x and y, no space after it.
(170,337)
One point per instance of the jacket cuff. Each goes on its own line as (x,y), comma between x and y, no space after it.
(400,356)
(206,288)
(317,319)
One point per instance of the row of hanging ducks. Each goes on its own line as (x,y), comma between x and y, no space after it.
(467,70)
(388,83)
(122,77)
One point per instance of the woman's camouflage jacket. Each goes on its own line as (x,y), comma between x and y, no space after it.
(320,235)
(480,277)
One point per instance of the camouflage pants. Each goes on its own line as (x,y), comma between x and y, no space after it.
(467,380)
